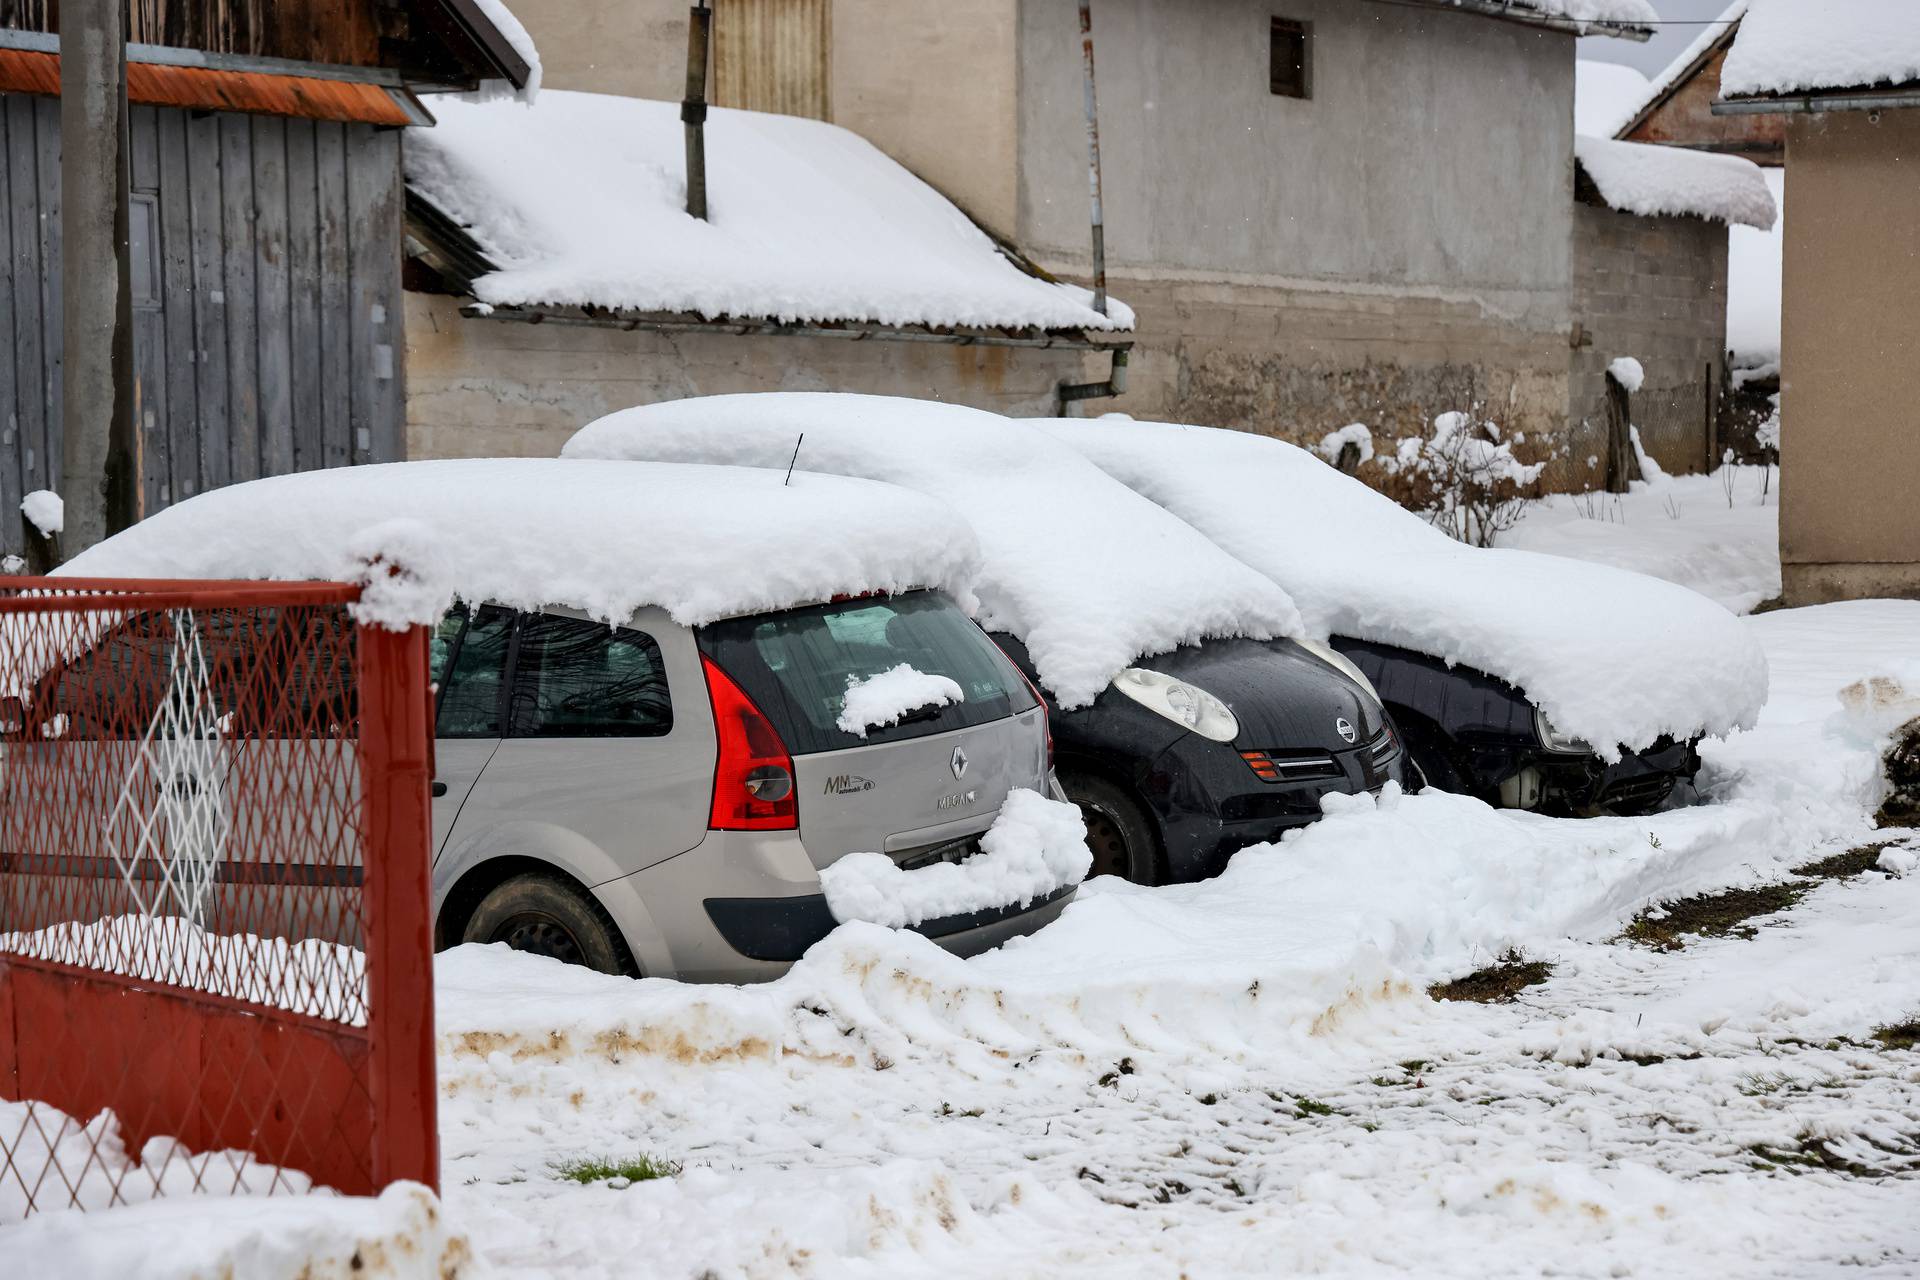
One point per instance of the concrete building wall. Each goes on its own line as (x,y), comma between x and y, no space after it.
(1850,358)
(1396,246)
(633,47)
(493,388)
(1654,289)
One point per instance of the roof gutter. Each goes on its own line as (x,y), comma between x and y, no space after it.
(1801,104)
(1509,11)
(655,322)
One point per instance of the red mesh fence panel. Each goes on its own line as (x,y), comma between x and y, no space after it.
(215,956)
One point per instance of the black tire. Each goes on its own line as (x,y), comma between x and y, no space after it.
(551,916)
(1118,830)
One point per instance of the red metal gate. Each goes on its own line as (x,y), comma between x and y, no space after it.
(215,936)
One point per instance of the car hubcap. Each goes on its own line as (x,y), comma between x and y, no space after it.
(541,936)
(1109,847)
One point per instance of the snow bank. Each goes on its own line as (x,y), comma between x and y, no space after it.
(608,538)
(880,700)
(398,1235)
(1034,847)
(96,1171)
(1689,530)
(1605,96)
(1615,658)
(581,201)
(1753,283)
(46,511)
(1088,574)
(1654,181)
(1788,46)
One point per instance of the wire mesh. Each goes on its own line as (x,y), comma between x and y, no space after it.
(184,899)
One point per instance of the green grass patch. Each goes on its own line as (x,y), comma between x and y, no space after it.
(588,1170)
(1901,1035)
(1842,865)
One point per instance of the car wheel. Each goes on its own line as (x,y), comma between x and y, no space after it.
(544,915)
(1118,831)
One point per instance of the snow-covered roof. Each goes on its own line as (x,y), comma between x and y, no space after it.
(1610,656)
(516,39)
(1790,46)
(1753,285)
(1088,574)
(1606,17)
(580,200)
(1604,96)
(608,538)
(1642,178)
(1655,90)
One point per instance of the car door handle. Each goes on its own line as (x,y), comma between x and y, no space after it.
(439,788)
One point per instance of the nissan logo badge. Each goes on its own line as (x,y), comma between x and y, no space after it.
(1342,725)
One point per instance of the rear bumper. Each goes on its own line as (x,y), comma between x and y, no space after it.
(781,929)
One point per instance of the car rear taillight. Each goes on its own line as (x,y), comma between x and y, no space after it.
(753,778)
(1046,721)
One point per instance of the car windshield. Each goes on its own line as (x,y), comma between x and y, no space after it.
(797,666)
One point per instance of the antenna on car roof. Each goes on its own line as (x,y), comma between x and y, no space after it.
(795,458)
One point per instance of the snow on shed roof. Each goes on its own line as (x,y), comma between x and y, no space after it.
(1643,178)
(701,542)
(1605,17)
(1611,656)
(1088,574)
(580,200)
(1789,46)
(1605,96)
(1676,72)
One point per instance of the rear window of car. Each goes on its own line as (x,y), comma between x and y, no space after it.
(796,666)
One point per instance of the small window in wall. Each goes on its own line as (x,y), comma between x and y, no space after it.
(143,249)
(1290,59)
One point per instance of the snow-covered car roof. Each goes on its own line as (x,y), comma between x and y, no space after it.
(1614,657)
(1797,46)
(701,542)
(1088,574)
(578,200)
(1642,178)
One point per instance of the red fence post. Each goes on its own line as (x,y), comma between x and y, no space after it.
(395,741)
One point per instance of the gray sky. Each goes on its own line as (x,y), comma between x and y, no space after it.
(1686,19)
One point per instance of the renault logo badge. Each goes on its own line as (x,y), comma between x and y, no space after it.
(1344,727)
(960,762)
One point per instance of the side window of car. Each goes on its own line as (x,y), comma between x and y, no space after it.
(579,679)
(474,663)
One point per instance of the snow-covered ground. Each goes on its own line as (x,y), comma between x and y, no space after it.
(1718,534)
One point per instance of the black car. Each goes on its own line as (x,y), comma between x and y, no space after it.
(1199,752)
(1475,734)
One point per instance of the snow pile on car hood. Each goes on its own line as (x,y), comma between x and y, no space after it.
(1613,657)
(1089,575)
(701,542)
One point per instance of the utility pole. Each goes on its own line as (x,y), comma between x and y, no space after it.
(1091,104)
(99,469)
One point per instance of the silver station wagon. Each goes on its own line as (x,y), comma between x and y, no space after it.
(647,776)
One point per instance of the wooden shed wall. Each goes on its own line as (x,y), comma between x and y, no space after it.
(339,31)
(267,323)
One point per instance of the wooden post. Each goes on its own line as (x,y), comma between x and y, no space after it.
(97,454)
(1621,465)
(693,108)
